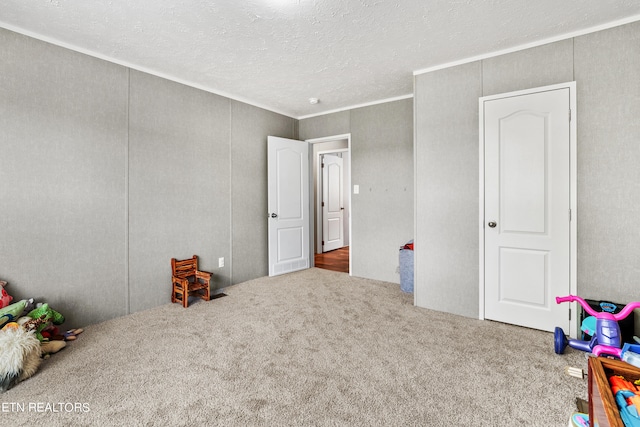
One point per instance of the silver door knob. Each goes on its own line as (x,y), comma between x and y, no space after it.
(273,215)
(492,224)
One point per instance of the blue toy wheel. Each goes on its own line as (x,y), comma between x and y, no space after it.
(559,340)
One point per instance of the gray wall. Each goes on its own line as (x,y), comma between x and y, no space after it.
(63,178)
(605,66)
(446,154)
(178,178)
(607,69)
(107,173)
(382,165)
(325,125)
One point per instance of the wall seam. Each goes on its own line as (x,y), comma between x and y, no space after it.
(230,193)
(573,58)
(415,190)
(127,212)
(482,77)
(352,238)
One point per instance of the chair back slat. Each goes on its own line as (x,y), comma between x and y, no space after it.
(184,267)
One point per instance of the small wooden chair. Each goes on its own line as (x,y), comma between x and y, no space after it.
(188,280)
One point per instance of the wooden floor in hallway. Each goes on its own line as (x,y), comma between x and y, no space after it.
(336,260)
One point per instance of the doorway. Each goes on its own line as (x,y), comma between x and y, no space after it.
(528,207)
(331,234)
(335,260)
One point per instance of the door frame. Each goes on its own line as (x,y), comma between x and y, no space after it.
(573,203)
(312,238)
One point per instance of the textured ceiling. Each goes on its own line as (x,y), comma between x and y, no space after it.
(279,53)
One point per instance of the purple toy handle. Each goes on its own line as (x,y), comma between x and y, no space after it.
(598,315)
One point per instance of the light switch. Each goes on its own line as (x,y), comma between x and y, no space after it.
(356,189)
(220,262)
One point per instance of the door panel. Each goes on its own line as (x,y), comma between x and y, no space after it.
(523,148)
(527,201)
(289,186)
(333,203)
(288,198)
(290,241)
(523,276)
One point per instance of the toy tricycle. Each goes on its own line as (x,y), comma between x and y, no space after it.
(606,338)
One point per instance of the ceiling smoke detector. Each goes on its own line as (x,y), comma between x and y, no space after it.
(313,100)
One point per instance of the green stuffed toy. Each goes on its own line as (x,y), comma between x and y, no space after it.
(49,314)
(11,312)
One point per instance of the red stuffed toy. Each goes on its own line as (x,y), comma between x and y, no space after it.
(5,298)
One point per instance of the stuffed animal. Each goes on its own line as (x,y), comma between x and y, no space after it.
(28,307)
(10,325)
(52,343)
(53,333)
(32,324)
(50,347)
(72,334)
(50,316)
(5,298)
(11,312)
(19,355)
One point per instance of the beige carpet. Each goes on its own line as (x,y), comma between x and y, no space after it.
(304,349)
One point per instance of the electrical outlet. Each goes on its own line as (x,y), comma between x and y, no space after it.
(221,262)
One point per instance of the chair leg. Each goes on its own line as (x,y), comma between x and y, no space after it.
(185,298)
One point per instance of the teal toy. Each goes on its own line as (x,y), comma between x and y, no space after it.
(589,326)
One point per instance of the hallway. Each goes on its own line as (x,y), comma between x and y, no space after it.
(337,260)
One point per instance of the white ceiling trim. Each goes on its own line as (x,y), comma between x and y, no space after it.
(566,36)
(366,104)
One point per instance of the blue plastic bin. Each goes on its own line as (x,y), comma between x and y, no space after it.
(406,269)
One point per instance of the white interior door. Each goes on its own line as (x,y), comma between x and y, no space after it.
(332,203)
(527,230)
(288,199)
